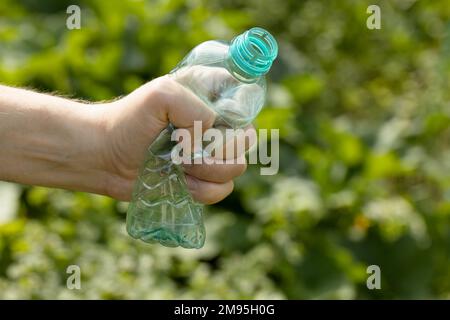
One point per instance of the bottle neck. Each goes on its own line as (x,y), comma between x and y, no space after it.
(251,54)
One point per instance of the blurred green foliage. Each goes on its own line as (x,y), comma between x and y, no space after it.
(364,179)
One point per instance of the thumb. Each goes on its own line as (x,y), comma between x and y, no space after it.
(164,101)
(176,104)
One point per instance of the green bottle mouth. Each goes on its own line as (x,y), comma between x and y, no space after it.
(253,52)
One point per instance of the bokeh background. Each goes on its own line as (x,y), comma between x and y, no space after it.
(364,179)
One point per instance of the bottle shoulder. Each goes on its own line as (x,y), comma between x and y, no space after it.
(207,53)
(205,71)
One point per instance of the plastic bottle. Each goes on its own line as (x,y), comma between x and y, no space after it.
(229,78)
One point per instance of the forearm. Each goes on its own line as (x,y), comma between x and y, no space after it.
(49,141)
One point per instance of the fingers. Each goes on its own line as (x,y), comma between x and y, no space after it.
(207,183)
(219,173)
(208,192)
(208,82)
(234,164)
(236,143)
(179,106)
(171,102)
(118,187)
(202,191)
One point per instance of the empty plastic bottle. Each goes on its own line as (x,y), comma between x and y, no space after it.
(229,78)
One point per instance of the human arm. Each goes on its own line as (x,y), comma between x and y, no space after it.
(57,142)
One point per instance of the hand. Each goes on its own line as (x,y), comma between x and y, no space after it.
(132,123)
(55,142)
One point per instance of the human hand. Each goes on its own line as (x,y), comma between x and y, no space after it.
(132,123)
(56,142)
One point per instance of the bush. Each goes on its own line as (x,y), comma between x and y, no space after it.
(365,156)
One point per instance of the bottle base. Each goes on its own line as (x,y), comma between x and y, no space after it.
(187,233)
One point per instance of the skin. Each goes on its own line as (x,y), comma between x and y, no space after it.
(56,142)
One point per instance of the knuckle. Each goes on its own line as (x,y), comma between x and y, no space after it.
(240,169)
(230,186)
(162,88)
(117,188)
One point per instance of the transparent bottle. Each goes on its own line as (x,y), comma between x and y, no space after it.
(229,78)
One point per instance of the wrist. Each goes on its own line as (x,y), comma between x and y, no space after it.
(104,175)
(52,141)
(87,164)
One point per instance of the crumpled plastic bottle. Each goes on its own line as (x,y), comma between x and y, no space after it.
(229,78)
